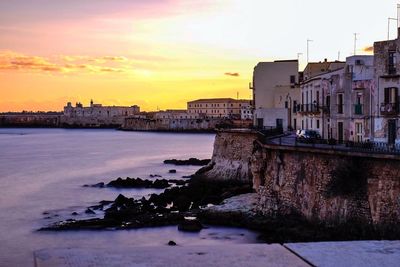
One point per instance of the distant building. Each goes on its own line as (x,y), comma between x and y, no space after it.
(176,114)
(96,115)
(99,111)
(276,94)
(218,107)
(246,111)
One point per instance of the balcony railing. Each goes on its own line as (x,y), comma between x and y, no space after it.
(309,108)
(358,109)
(389,109)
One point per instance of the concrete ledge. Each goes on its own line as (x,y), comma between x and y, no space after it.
(231,255)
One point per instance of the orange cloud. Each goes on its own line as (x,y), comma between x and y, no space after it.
(232,74)
(368,49)
(68,64)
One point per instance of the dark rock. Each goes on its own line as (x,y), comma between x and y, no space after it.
(121,200)
(98,185)
(182,203)
(171,243)
(74,213)
(138,183)
(89,211)
(187,176)
(205,169)
(106,202)
(155,175)
(192,225)
(191,161)
(160,184)
(172,171)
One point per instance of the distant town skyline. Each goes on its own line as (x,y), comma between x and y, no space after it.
(163,53)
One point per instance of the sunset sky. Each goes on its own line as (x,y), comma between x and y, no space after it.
(162,53)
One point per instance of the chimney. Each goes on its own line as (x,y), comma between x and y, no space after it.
(325,60)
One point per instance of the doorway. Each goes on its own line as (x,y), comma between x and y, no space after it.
(392,132)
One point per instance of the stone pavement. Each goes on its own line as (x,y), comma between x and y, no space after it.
(234,255)
(350,253)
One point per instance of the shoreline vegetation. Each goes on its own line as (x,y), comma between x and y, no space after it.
(192,203)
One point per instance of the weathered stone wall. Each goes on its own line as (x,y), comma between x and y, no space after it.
(300,180)
(92,122)
(231,156)
(29,120)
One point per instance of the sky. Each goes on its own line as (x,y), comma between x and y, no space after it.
(159,54)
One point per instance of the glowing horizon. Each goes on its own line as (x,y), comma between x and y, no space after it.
(163,53)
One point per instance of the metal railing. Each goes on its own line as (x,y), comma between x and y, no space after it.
(311,108)
(333,144)
(389,108)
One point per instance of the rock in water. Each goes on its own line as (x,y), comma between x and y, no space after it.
(190,225)
(171,243)
(172,171)
(89,211)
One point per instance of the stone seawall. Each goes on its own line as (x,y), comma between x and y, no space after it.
(30,120)
(231,156)
(325,185)
(319,184)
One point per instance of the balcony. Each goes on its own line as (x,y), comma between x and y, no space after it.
(358,109)
(389,109)
(309,108)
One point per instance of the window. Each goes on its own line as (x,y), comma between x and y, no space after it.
(317,124)
(391,95)
(392,62)
(340,103)
(317,98)
(294,106)
(292,79)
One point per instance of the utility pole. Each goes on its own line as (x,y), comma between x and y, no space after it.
(308,49)
(338,55)
(355,42)
(389,19)
(398,15)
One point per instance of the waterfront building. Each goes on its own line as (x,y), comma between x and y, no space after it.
(176,114)
(217,107)
(387,80)
(246,111)
(314,106)
(99,111)
(276,94)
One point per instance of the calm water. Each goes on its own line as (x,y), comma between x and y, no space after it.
(43,170)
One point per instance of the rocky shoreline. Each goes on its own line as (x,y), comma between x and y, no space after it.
(177,205)
(190,204)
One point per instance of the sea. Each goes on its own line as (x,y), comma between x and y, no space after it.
(42,173)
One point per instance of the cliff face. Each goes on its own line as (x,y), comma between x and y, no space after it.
(231,156)
(328,187)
